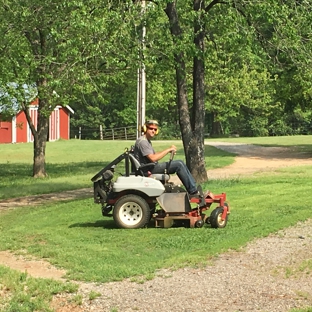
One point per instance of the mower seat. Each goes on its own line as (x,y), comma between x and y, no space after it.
(144,170)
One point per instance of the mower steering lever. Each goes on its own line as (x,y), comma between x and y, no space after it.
(171,155)
(170,160)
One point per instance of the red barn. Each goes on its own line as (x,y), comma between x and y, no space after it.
(17,129)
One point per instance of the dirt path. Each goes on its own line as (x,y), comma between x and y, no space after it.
(250,280)
(252,159)
(45,198)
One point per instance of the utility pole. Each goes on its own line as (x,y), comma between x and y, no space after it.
(141,83)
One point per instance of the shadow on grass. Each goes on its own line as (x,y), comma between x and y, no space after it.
(211,151)
(25,170)
(22,170)
(305,147)
(106,224)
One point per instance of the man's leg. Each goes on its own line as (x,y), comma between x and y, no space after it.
(178,167)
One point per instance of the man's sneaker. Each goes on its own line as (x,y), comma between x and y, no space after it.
(200,190)
(194,194)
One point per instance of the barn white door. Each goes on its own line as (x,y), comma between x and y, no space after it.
(33,111)
(54,126)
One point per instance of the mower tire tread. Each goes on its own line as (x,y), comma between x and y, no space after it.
(131,212)
(215,218)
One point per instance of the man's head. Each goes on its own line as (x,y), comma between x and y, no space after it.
(150,128)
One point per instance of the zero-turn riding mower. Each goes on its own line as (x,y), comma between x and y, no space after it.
(137,196)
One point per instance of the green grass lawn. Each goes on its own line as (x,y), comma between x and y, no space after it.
(74,235)
(71,164)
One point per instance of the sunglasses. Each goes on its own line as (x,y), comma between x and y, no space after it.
(150,128)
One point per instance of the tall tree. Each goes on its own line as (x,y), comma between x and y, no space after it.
(61,49)
(192,125)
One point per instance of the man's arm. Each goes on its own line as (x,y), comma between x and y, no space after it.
(159,155)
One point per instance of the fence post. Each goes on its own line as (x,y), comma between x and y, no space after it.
(101,132)
(113,134)
(125,133)
(79,133)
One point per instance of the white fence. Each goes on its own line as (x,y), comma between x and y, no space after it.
(123,133)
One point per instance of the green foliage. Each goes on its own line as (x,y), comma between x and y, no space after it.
(93,295)
(65,50)
(299,122)
(169,131)
(112,105)
(72,45)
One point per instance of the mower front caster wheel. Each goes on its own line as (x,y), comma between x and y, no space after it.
(199,223)
(131,212)
(215,218)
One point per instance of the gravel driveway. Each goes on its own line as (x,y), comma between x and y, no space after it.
(253,279)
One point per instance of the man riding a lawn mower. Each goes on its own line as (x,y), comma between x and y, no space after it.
(145,154)
(143,192)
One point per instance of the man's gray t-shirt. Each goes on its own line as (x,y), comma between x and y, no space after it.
(142,148)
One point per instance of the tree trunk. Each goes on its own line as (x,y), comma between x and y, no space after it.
(40,140)
(197,150)
(216,127)
(192,129)
(182,100)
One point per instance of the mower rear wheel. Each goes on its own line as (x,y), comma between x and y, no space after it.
(131,212)
(215,218)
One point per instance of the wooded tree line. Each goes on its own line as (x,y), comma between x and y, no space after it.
(218,67)
(257,71)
